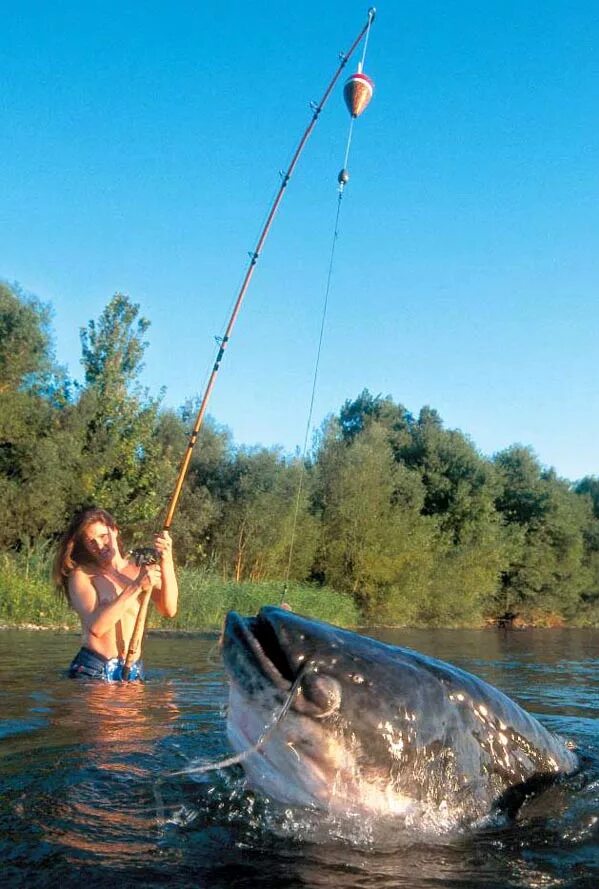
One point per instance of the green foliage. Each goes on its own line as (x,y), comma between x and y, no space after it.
(24,339)
(26,593)
(403,518)
(253,535)
(355,416)
(205,490)
(34,448)
(205,600)
(589,486)
(408,514)
(27,597)
(550,566)
(113,347)
(463,580)
(122,464)
(374,538)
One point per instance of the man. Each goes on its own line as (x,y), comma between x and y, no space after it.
(104,587)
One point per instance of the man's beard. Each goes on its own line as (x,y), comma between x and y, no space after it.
(103,558)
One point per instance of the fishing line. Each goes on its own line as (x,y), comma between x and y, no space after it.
(223,341)
(213,657)
(347,147)
(238,757)
(359,103)
(312,397)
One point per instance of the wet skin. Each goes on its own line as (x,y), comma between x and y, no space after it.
(376,728)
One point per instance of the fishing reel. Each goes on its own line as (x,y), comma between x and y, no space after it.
(144,555)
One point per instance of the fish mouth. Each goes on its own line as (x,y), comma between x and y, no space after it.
(260,653)
(255,639)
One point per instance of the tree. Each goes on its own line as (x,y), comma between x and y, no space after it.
(122,464)
(460,485)
(24,339)
(587,489)
(34,451)
(440,493)
(375,543)
(356,415)
(254,534)
(589,486)
(206,485)
(113,348)
(548,569)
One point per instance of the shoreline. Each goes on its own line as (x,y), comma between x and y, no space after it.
(74,631)
(213,631)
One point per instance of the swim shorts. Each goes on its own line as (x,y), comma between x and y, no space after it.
(88,664)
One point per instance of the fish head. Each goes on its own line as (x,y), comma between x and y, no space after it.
(356,714)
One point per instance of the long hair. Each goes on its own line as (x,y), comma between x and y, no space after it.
(71,549)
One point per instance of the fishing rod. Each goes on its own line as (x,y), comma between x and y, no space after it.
(145,556)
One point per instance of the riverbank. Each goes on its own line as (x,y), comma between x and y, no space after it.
(28,601)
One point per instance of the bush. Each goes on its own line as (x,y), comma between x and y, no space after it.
(27,596)
(204,600)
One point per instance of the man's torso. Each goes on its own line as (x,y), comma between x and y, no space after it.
(109,584)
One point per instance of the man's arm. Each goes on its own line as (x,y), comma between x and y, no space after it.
(166,596)
(99,618)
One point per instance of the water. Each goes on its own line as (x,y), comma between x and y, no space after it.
(88,796)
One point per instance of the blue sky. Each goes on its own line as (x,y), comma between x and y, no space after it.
(141,144)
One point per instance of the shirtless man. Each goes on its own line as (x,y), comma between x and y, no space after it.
(104,588)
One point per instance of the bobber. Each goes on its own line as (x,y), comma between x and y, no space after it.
(357,93)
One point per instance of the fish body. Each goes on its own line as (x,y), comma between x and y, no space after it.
(374,728)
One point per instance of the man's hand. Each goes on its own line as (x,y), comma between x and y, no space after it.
(149,577)
(164,545)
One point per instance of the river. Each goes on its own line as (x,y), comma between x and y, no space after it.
(94,789)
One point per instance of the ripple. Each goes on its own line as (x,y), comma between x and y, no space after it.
(10,727)
(78,774)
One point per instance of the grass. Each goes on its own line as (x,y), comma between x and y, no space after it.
(26,593)
(28,598)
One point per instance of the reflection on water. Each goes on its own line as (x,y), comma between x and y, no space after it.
(115,729)
(86,768)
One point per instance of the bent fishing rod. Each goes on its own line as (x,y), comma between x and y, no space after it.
(145,555)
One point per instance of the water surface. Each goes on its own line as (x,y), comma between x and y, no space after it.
(93,789)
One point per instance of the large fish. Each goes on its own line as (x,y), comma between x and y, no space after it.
(374,728)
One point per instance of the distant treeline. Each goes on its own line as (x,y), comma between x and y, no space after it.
(402,514)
